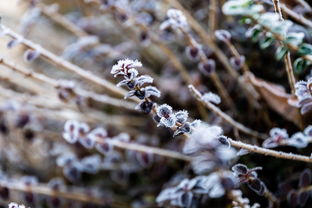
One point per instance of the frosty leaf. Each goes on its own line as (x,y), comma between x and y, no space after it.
(257,186)
(300,65)
(242,152)
(211,97)
(292,198)
(305,49)
(295,38)
(164,110)
(223,35)
(185,199)
(237,62)
(308,131)
(270,143)
(13,43)
(224,140)
(169,121)
(151,91)
(298,140)
(141,80)
(207,67)
(281,52)
(104,147)
(240,169)
(192,52)
(91,164)
(31,55)
(241,7)
(305,178)
(181,116)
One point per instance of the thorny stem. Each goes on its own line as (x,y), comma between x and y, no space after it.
(269,152)
(44,190)
(224,116)
(54,83)
(58,61)
(287,59)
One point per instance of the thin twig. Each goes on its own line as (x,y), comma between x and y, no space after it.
(214,76)
(44,190)
(148,149)
(61,20)
(212,18)
(212,45)
(54,83)
(287,59)
(58,61)
(269,152)
(305,5)
(224,116)
(296,16)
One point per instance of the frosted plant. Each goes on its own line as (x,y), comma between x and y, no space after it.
(70,133)
(303,93)
(176,20)
(240,202)
(202,137)
(166,116)
(15,205)
(136,84)
(223,35)
(211,97)
(241,7)
(250,177)
(188,191)
(279,137)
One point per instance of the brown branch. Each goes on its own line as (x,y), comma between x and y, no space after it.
(269,152)
(44,190)
(58,61)
(54,83)
(224,116)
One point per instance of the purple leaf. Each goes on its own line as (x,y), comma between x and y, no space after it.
(31,55)
(257,186)
(292,198)
(305,178)
(240,169)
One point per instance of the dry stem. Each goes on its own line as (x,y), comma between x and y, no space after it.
(44,190)
(224,116)
(54,83)
(58,61)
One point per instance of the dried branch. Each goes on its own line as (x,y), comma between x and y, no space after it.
(54,83)
(58,61)
(224,116)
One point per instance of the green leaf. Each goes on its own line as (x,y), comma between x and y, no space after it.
(300,64)
(305,49)
(266,42)
(245,20)
(281,52)
(294,38)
